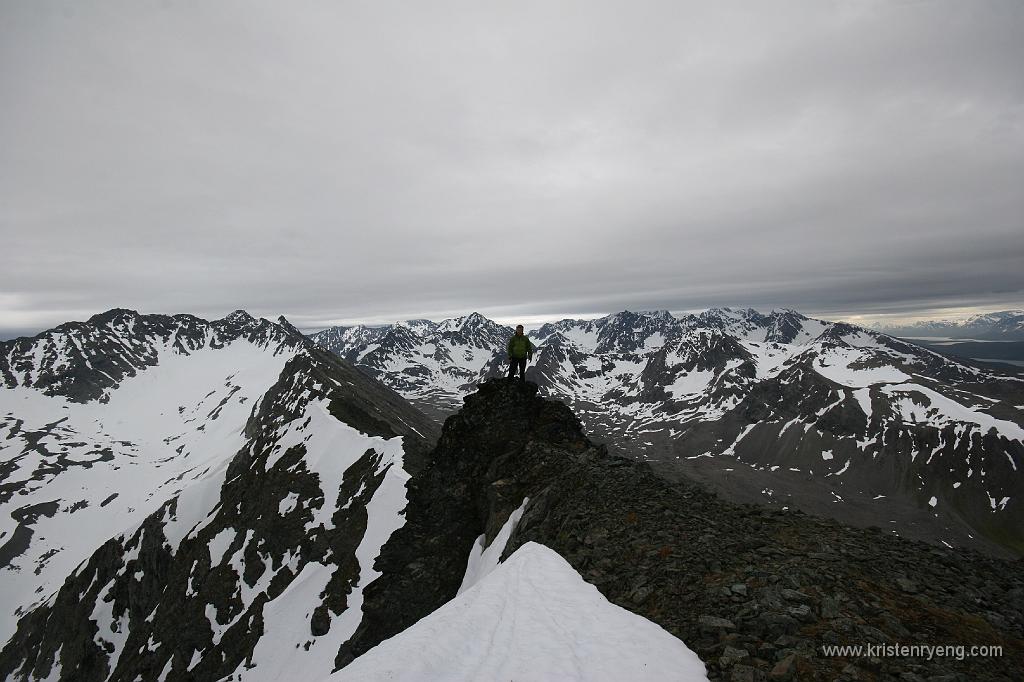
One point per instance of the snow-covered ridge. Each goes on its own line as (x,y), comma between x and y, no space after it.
(533,617)
(238,475)
(85,360)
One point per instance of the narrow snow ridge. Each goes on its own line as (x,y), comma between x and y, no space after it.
(532,618)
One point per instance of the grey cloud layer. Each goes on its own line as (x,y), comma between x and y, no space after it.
(341,161)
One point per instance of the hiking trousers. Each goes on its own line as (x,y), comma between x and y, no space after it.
(519,363)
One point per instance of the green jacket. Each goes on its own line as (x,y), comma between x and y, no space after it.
(519,347)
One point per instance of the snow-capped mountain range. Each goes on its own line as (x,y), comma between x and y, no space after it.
(1005,325)
(186,499)
(432,364)
(183,499)
(890,433)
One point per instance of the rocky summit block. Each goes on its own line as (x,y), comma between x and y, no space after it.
(757,593)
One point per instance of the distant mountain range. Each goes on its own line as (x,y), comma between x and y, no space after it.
(1006,325)
(776,408)
(432,364)
(185,499)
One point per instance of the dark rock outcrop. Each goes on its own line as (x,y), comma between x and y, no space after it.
(757,593)
(467,488)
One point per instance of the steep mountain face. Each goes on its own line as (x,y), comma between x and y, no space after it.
(348,342)
(888,433)
(752,591)
(190,500)
(790,411)
(1006,325)
(101,422)
(432,364)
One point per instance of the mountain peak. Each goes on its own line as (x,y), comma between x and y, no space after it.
(790,312)
(111,315)
(283,322)
(417,323)
(238,317)
(662,314)
(472,323)
(476,475)
(735,313)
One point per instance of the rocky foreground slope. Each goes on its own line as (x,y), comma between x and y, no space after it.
(756,593)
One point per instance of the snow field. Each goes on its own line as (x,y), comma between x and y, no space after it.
(160,439)
(533,618)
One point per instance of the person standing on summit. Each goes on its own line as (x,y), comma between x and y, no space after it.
(519,349)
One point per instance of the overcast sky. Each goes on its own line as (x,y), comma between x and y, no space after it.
(340,161)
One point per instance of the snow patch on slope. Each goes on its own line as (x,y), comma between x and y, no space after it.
(532,618)
(942,410)
(689,384)
(835,364)
(287,649)
(106,466)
